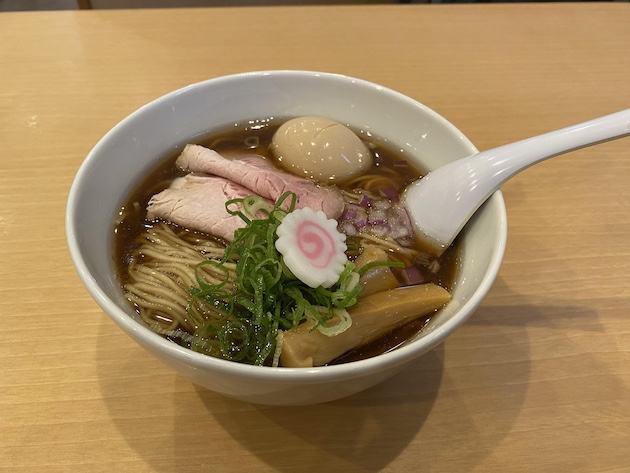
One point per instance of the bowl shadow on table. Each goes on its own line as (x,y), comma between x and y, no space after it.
(368,431)
(363,432)
(432,404)
(426,404)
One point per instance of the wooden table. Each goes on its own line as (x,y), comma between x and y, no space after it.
(537,381)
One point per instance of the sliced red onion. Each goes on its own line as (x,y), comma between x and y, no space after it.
(405,242)
(391,193)
(349,214)
(360,223)
(402,217)
(348,229)
(398,232)
(381,204)
(412,275)
(379,230)
(377,216)
(355,207)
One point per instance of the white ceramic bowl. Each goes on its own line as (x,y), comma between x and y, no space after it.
(135,145)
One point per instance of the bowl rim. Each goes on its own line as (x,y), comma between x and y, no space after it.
(313,375)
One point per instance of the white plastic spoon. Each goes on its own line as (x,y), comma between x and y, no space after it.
(443,201)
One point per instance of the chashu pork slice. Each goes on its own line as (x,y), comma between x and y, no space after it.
(262,178)
(197,202)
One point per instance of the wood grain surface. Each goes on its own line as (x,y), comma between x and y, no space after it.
(537,381)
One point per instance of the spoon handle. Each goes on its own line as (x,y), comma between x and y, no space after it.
(443,201)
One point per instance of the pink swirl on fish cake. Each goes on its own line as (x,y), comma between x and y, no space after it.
(315,243)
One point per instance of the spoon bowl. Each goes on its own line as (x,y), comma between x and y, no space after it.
(441,203)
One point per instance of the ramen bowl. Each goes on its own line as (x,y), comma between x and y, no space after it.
(119,161)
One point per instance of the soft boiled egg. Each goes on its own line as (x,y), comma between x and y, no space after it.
(320,149)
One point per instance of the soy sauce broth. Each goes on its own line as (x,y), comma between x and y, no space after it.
(254,137)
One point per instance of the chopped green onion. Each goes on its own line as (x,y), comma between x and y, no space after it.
(392,264)
(341,326)
(247,321)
